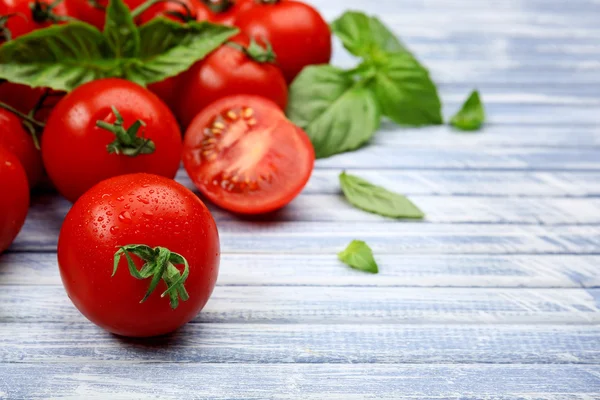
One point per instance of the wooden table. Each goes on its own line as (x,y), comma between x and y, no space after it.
(495,295)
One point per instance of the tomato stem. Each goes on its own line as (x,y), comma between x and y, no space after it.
(42,12)
(5,33)
(23,116)
(144,7)
(159,265)
(186,16)
(257,52)
(218,6)
(127,141)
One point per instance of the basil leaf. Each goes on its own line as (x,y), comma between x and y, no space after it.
(169,48)
(60,57)
(365,36)
(405,91)
(472,114)
(337,113)
(376,199)
(120,31)
(359,255)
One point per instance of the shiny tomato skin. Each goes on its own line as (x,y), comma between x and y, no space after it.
(18,141)
(24,23)
(74,149)
(227,71)
(167,91)
(298,33)
(163,9)
(136,209)
(229,16)
(14,201)
(86,11)
(243,154)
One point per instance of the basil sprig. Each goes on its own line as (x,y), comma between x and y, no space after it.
(340,110)
(63,57)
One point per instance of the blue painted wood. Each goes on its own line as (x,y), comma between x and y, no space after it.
(302,381)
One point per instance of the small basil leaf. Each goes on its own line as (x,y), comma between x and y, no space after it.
(337,113)
(472,114)
(120,31)
(376,199)
(169,48)
(405,91)
(365,36)
(60,57)
(359,255)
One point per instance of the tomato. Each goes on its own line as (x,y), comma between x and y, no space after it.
(94,11)
(18,141)
(167,91)
(297,32)
(29,15)
(78,153)
(245,156)
(137,209)
(228,71)
(14,201)
(176,10)
(225,12)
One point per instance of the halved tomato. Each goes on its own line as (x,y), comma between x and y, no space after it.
(244,155)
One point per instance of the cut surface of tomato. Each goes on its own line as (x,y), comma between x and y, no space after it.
(244,155)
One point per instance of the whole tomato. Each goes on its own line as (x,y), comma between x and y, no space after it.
(175,10)
(225,12)
(298,33)
(94,11)
(14,201)
(238,67)
(18,141)
(25,16)
(106,128)
(149,220)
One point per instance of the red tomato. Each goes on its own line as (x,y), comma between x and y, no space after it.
(18,141)
(179,10)
(225,12)
(167,91)
(225,72)
(14,201)
(245,156)
(138,209)
(78,154)
(297,32)
(94,11)
(29,15)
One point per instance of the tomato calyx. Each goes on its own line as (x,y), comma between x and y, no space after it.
(257,52)
(159,264)
(97,5)
(5,33)
(186,16)
(218,6)
(43,12)
(127,142)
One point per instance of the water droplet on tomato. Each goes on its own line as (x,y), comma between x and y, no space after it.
(127,206)
(101,236)
(125,217)
(105,195)
(148,213)
(145,185)
(151,191)
(120,198)
(143,200)
(114,230)
(109,213)
(100,219)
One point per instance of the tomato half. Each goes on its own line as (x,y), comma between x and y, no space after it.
(245,156)
(228,71)
(77,153)
(138,209)
(14,201)
(298,33)
(18,141)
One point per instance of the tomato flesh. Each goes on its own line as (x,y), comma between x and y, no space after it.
(245,156)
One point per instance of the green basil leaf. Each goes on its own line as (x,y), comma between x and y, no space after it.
(169,48)
(120,31)
(472,114)
(405,91)
(359,255)
(365,36)
(337,113)
(376,199)
(60,57)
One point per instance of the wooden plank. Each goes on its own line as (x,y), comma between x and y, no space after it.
(332,344)
(342,305)
(255,236)
(438,209)
(306,381)
(325,270)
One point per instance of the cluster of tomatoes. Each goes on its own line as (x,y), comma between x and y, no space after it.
(113,148)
